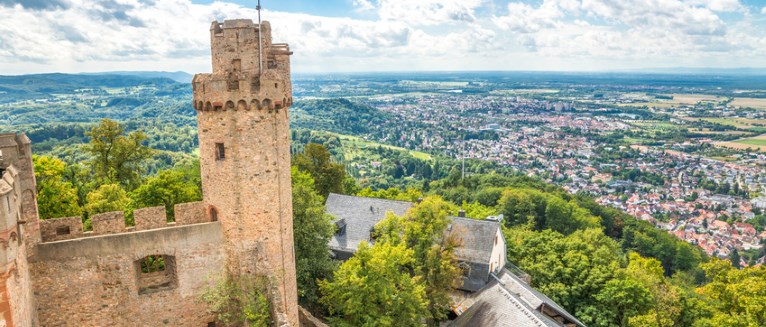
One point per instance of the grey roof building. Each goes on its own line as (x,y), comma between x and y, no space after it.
(355,217)
(482,250)
(490,294)
(507,301)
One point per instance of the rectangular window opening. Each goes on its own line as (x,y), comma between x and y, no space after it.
(62,230)
(220,151)
(156,273)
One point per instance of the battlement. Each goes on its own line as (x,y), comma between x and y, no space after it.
(114,222)
(247,74)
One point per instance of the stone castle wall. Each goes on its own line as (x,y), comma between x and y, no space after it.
(242,117)
(18,230)
(114,222)
(98,281)
(53,273)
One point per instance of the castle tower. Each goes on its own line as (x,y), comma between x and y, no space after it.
(245,155)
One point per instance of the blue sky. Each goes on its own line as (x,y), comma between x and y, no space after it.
(389,35)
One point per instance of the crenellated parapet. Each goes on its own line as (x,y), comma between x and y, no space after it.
(247,74)
(18,230)
(108,223)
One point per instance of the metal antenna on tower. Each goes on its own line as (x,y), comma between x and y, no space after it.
(260,43)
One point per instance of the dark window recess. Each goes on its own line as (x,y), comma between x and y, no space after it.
(62,230)
(340,227)
(213,214)
(156,273)
(211,324)
(220,151)
(465,269)
(272,64)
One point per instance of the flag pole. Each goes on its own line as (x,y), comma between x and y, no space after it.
(260,42)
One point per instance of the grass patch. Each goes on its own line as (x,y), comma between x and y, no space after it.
(359,143)
(756,103)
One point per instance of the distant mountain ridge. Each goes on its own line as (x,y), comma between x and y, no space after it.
(41,84)
(747,71)
(178,76)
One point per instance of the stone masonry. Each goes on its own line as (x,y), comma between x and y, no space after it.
(54,273)
(245,155)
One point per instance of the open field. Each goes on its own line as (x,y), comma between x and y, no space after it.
(740,146)
(691,99)
(652,124)
(755,125)
(679,99)
(708,131)
(758,142)
(524,91)
(359,143)
(757,103)
(664,105)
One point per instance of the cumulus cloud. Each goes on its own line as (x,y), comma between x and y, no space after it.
(98,35)
(423,12)
(652,30)
(36,4)
(763,10)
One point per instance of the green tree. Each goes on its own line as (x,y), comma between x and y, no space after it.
(737,296)
(116,157)
(477,210)
(317,161)
(107,198)
(375,288)
(435,260)
(240,301)
(168,188)
(55,197)
(313,229)
(623,297)
(666,297)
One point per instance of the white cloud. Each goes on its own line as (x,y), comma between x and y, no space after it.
(363,5)
(423,12)
(763,10)
(99,35)
(657,31)
(721,5)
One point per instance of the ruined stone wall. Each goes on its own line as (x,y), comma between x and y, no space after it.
(97,281)
(61,229)
(114,222)
(245,158)
(18,231)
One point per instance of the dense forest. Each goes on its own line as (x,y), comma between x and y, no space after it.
(602,265)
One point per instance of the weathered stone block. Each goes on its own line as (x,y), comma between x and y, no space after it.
(108,223)
(191,213)
(150,218)
(61,229)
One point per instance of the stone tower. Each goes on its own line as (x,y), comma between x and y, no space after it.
(245,155)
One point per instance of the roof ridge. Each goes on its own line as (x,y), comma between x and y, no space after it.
(367,197)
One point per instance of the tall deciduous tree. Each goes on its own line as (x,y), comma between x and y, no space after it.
(422,229)
(116,157)
(107,198)
(55,197)
(317,161)
(313,229)
(737,296)
(374,288)
(168,188)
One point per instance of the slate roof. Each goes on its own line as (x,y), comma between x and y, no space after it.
(507,301)
(478,238)
(359,214)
